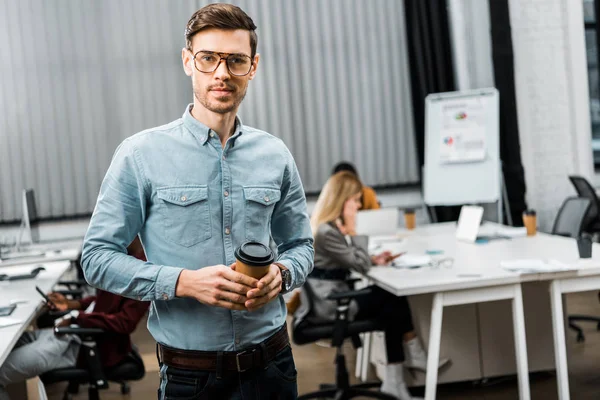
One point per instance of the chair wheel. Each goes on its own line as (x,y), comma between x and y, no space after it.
(125,388)
(580,338)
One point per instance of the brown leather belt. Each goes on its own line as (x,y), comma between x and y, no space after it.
(252,357)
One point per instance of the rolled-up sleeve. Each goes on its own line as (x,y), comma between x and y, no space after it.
(118,217)
(290,227)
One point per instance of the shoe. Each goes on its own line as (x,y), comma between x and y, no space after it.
(416,358)
(394,384)
(399,390)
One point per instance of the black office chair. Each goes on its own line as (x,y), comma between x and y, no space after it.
(583,188)
(570,219)
(306,331)
(92,373)
(570,222)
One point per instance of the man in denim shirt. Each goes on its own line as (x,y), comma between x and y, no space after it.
(195,190)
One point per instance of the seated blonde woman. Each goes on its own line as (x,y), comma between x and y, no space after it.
(338,250)
(368,199)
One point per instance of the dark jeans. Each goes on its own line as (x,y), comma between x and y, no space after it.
(276,381)
(393,316)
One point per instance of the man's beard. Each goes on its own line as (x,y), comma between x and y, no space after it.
(217,106)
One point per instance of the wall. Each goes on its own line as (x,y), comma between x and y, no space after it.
(76,78)
(552,100)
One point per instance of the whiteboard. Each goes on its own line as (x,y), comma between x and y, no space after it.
(464,176)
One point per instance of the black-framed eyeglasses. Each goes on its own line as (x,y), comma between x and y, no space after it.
(208,62)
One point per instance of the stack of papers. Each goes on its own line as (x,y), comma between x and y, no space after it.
(412,261)
(525,266)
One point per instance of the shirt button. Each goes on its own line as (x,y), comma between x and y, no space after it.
(267,199)
(226,193)
(212,134)
(183,198)
(223,157)
(165,296)
(227,231)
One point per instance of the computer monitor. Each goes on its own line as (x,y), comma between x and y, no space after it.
(31,215)
(29,220)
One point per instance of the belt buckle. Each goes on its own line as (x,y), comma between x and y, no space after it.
(237,359)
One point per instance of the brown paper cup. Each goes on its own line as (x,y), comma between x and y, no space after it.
(410,219)
(253,259)
(530,222)
(251,270)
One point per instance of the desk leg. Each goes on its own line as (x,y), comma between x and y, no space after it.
(366,357)
(520,343)
(359,358)
(433,350)
(560,348)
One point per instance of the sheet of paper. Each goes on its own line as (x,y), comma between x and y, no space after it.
(462,145)
(534,265)
(463,131)
(412,260)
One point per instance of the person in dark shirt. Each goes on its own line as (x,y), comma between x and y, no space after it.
(40,351)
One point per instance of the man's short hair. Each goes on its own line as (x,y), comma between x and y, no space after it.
(220,16)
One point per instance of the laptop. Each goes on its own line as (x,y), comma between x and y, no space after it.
(469,223)
(379,222)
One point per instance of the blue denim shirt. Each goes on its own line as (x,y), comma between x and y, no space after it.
(193,203)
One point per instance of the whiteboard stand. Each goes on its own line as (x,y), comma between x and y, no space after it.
(506,202)
(460,118)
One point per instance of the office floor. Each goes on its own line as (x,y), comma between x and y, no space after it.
(315,365)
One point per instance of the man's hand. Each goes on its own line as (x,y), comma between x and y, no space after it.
(218,285)
(63,322)
(61,302)
(268,288)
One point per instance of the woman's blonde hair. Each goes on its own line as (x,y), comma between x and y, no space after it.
(330,204)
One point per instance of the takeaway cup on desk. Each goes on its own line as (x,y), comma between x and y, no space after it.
(530,222)
(410,218)
(253,259)
(584,245)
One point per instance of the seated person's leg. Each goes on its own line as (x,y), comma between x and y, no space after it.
(37,352)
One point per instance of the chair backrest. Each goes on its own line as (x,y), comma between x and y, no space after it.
(570,217)
(585,189)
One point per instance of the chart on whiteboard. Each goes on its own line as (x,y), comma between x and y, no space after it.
(463,131)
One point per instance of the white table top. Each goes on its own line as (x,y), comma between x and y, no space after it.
(25,290)
(69,254)
(50,231)
(475,265)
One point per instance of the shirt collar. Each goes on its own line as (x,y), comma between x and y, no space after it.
(202,132)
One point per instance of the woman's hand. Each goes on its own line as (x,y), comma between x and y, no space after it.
(382,258)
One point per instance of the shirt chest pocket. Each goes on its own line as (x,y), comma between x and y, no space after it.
(259,205)
(185,214)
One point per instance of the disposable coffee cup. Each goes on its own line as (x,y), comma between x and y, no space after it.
(530,222)
(584,245)
(410,219)
(253,259)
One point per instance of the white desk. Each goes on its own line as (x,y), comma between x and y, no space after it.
(51,231)
(69,254)
(588,278)
(25,290)
(474,277)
